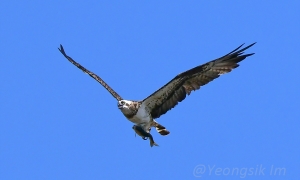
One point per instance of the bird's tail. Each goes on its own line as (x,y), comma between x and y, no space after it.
(161,129)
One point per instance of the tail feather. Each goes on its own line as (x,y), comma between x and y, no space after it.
(161,129)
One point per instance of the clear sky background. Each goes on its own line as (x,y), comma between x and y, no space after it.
(58,123)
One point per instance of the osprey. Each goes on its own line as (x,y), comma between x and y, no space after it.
(143,113)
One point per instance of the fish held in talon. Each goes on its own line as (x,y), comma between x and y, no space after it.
(141,132)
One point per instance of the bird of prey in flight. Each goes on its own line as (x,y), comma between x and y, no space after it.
(143,113)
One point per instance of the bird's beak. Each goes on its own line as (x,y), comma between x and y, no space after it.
(120,106)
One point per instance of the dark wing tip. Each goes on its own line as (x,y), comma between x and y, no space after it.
(252,44)
(238,50)
(62,50)
(247,47)
(250,54)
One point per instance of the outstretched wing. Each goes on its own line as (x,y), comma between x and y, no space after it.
(176,90)
(97,78)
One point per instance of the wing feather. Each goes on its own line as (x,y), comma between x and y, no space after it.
(183,84)
(93,75)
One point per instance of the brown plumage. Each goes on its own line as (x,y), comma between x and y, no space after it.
(176,90)
(93,75)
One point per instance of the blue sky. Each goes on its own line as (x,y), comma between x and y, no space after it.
(58,123)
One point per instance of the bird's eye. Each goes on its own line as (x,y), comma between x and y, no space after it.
(122,102)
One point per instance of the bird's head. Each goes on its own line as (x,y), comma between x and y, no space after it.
(124,104)
(128,108)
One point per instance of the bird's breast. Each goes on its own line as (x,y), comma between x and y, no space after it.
(142,116)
